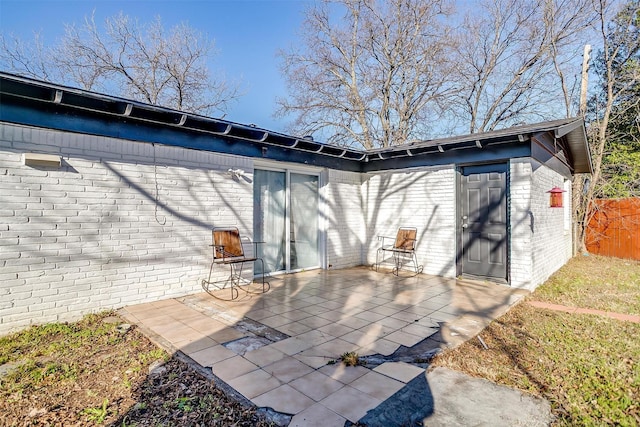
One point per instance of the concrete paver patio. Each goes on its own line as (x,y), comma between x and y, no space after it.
(277,349)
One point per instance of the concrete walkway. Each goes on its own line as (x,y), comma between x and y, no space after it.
(279,349)
(577,310)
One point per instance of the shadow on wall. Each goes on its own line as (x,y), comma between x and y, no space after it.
(122,230)
(402,200)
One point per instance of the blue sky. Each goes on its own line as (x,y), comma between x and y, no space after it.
(247,33)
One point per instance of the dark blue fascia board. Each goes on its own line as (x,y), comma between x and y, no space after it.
(60,117)
(65,118)
(490,154)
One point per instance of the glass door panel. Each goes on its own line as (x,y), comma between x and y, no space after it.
(269,219)
(303,234)
(285,204)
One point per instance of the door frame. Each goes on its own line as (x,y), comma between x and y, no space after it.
(459,230)
(289,168)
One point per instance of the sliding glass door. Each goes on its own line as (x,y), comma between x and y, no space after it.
(285,216)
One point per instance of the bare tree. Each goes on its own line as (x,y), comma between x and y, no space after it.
(618,71)
(507,55)
(376,77)
(28,59)
(142,62)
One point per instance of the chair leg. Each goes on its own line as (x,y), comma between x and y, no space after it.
(262,274)
(230,280)
(397,262)
(265,285)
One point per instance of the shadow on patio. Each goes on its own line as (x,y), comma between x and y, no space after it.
(279,349)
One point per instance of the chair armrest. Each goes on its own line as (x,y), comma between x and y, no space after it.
(219,248)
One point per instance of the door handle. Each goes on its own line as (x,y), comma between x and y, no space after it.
(465,225)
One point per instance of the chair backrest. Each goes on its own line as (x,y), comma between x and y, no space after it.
(406,239)
(227,244)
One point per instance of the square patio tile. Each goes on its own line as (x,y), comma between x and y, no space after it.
(317,416)
(259,314)
(404,338)
(191,346)
(254,383)
(399,370)
(377,385)
(288,369)
(295,315)
(207,325)
(440,316)
(294,328)
(338,315)
(381,309)
(313,359)
(350,403)
(315,300)
(434,304)
(280,308)
(379,346)
(291,345)
(370,316)
(227,334)
(315,337)
(420,330)
(407,316)
(315,321)
(210,356)
(335,330)
(344,374)
(359,337)
(336,347)
(332,304)
(316,385)
(264,356)
(275,321)
(377,329)
(233,367)
(353,322)
(393,323)
(315,309)
(284,399)
(180,333)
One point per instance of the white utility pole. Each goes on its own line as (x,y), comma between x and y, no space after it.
(585,79)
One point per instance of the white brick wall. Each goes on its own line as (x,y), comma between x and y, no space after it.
(345,230)
(123,222)
(90,235)
(425,199)
(540,244)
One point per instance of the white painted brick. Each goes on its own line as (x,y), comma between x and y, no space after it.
(94,232)
(538,245)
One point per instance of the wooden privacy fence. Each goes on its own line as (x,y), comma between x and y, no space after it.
(614,229)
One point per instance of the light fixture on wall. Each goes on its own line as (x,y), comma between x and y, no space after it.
(41,160)
(555,200)
(236,173)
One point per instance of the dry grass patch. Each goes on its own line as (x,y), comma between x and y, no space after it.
(585,365)
(94,372)
(601,283)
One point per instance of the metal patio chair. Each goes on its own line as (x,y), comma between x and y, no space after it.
(403,249)
(228,250)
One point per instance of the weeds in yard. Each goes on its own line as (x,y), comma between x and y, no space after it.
(99,413)
(350,358)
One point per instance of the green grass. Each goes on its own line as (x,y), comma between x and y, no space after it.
(595,282)
(68,359)
(585,365)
